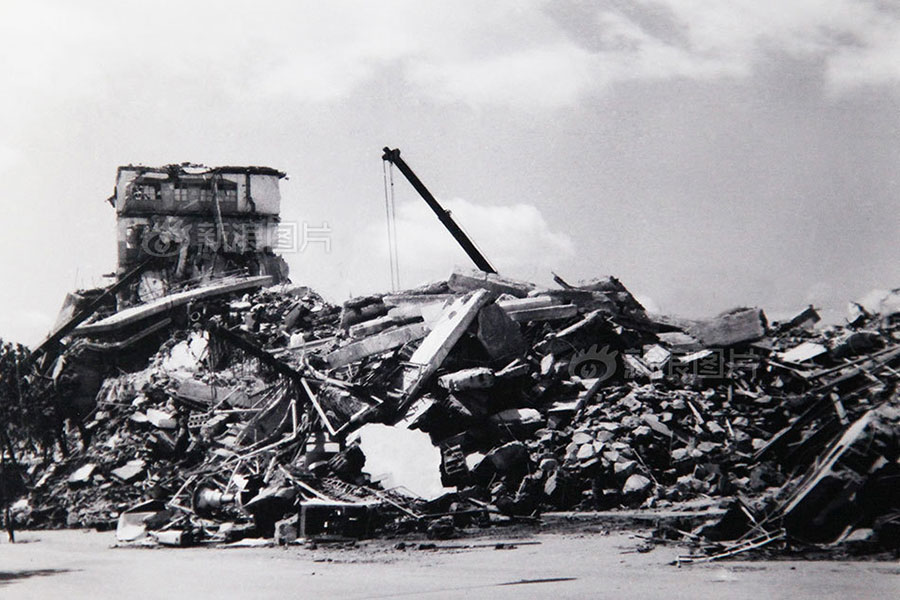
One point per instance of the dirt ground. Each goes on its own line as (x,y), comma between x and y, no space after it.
(81,564)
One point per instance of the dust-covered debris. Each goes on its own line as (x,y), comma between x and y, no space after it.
(232,408)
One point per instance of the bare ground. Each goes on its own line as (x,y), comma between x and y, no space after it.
(80,564)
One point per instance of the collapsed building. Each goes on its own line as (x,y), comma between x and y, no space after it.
(216,405)
(199,223)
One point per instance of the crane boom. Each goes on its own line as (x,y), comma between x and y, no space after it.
(393,156)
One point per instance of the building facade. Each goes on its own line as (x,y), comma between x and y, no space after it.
(195,224)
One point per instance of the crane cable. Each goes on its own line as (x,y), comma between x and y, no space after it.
(396,248)
(391,225)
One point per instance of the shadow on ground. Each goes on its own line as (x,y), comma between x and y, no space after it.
(7,577)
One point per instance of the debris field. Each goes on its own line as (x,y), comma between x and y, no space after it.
(246,415)
(215,406)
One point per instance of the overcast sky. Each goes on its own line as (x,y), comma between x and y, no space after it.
(709,154)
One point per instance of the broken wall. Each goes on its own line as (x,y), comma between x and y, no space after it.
(196,223)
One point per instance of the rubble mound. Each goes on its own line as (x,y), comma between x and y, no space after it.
(243,411)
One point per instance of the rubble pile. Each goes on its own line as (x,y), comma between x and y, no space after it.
(239,410)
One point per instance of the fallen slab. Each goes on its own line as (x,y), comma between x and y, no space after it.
(468,379)
(544,313)
(437,345)
(375,344)
(478,280)
(499,334)
(126,317)
(803,352)
(728,329)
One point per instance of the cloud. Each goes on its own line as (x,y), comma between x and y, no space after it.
(875,60)
(528,54)
(552,76)
(516,239)
(857,41)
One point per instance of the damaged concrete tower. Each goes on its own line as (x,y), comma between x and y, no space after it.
(195,223)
